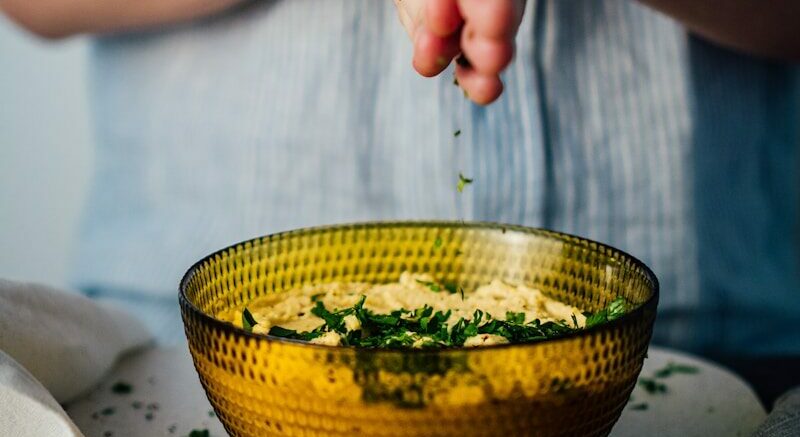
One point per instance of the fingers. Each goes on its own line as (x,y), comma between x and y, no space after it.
(432,53)
(492,19)
(482,30)
(486,55)
(480,88)
(442,17)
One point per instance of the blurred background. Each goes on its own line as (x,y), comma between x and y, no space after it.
(45,153)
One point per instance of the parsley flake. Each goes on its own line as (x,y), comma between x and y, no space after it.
(673,368)
(652,386)
(463,182)
(434,287)
(121,388)
(248,321)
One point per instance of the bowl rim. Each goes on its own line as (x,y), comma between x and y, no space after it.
(229,328)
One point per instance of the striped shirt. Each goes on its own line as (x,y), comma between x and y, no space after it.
(615,125)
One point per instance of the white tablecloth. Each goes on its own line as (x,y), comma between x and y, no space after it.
(166,399)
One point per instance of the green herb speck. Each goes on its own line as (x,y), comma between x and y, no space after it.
(639,407)
(673,369)
(457,133)
(652,386)
(438,243)
(121,388)
(248,321)
(431,285)
(199,433)
(463,182)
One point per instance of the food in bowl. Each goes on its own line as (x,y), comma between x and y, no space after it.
(264,385)
(416,312)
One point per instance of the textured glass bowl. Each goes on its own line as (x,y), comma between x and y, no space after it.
(572,386)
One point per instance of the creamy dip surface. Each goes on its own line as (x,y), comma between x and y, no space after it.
(497,300)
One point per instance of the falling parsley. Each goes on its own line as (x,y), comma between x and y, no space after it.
(248,321)
(463,182)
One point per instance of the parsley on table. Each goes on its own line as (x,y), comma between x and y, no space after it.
(457,133)
(652,386)
(121,388)
(463,182)
(639,407)
(248,321)
(199,433)
(673,368)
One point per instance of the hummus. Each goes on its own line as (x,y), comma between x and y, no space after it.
(518,304)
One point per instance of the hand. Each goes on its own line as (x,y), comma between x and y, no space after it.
(483,31)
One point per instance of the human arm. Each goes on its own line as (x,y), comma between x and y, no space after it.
(55,19)
(763,28)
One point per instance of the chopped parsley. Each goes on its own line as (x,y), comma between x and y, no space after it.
(457,133)
(121,388)
(433,286)
(248,321)
(199,433)
(438,243)
(426,328)
(616,309)
(640,407)
(463,182)
(652,386)
(672,369)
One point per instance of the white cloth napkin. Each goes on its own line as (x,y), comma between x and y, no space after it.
(55,346)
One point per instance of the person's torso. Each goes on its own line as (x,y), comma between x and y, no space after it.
(615,125)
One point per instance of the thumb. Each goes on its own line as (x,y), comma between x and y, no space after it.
(411,13)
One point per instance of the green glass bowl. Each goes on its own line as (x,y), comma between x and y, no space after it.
(572,386)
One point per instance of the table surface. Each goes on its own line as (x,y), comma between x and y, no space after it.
(166,399)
